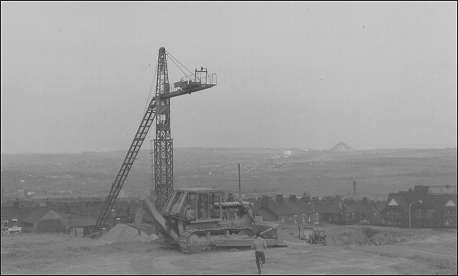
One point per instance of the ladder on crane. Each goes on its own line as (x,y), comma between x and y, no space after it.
(129,159)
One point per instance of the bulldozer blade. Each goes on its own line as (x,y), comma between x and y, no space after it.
(160,219)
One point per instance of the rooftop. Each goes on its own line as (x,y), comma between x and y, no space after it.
(198,189)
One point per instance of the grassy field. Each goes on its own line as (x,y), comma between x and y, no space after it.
(420,251)
(376,172)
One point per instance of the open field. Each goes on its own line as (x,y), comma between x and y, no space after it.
(377,172)
(418,251)
(350,249)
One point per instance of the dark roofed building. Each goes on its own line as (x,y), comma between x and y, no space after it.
(286,210)
(44,219)
(33,216)
(292,198)
(26,217)
(329,210)
(279,207)
(79,225)
(436,210)
(426,209)
(266,214)
(362,211)
(263,208)
(50,222)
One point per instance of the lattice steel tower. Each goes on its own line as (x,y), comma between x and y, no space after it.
(163,143)
(159,109)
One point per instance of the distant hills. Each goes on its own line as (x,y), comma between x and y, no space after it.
(341,147)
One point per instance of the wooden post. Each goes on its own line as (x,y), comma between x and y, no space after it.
(240,187)
(220,207)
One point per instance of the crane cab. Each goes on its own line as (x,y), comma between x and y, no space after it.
(202,80)
(186,84)
(195,204)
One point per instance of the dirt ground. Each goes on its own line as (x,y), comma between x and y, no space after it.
(350,251)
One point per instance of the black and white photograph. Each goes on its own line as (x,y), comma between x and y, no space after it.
(228,138)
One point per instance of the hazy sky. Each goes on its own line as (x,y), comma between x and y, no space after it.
(76,76)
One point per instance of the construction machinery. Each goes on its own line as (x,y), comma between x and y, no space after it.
(313,234)
(194,219)
(158,108)
(200,219)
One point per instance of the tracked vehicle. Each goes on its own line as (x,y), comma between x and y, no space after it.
(200,219)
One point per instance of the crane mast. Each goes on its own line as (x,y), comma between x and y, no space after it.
(159,109)
(163,143)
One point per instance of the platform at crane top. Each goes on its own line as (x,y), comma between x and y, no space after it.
(398,251)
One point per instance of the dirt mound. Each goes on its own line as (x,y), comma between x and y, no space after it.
(125,233)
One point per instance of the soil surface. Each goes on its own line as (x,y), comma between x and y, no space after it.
(350,250)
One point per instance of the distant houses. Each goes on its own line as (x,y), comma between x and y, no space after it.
(329,209)
(417,207)
(332,209)
(44,220)
(75,216)
(421,207)
(282,209)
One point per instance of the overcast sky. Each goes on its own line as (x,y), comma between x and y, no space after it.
(76,76)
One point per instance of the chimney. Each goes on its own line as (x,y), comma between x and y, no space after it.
(354,187)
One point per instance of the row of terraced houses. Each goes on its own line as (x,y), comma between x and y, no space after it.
(423,207)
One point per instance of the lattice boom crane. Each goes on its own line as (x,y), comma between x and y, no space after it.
(159,109)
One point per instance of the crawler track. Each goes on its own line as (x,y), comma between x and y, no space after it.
(198,240)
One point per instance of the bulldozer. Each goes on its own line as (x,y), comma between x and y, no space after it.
(201,219)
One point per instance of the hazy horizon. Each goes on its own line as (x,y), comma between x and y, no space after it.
(76,76)
(144,148)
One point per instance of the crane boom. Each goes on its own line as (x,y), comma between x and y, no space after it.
(129,159)
(136,144)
